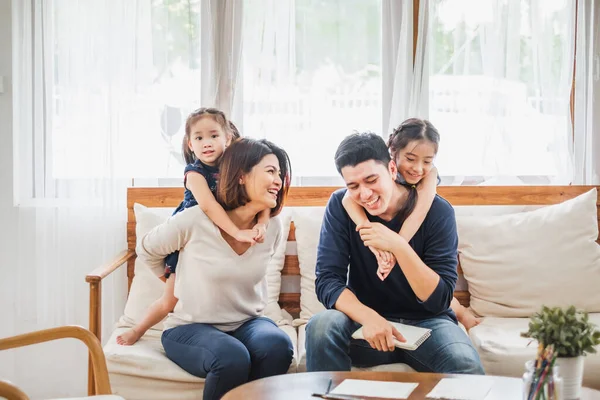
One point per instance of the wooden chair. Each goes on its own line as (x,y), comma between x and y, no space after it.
(97,360)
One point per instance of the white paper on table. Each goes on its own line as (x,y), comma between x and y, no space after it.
(388,390)
(463,388)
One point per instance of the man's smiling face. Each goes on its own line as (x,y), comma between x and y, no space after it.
(371,185)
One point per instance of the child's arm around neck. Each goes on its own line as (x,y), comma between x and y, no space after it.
(426,194)
(207,202)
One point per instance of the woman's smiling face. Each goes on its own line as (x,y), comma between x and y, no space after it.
(264,182)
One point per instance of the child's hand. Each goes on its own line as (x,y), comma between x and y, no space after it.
(260,230)
(468,319)
(245,236)
(385,268)
(385,262)
(128,338)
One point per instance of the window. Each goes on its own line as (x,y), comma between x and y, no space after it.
(112,99)
(311,75)
(499,86)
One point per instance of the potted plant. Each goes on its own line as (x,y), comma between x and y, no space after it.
(572,335)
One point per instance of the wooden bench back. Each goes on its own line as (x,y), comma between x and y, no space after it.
(318,196)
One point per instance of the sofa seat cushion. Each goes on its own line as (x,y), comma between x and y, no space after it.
(99,397)
(143,370)
(504,352)
(302,358)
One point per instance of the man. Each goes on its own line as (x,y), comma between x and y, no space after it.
(417,292)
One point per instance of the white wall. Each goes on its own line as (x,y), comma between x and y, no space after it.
(8,215)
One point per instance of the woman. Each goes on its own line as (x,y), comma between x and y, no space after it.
(216,330)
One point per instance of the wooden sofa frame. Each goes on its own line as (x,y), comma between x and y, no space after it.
(309,197)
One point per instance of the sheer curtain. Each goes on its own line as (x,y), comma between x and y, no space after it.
(586,145)
(404,76)
(500,75)
(79,79)
(311,76)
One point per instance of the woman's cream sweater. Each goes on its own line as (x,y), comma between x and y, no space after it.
(213,283)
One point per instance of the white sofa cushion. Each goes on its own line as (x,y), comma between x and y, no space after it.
(504,352)
(516,263)
(147,287)
(99,397)
(143,371)
(307,221)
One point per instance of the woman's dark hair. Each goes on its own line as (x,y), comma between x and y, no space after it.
(239,159)
(218,116)
(413,129)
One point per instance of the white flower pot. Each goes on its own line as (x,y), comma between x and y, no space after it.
(571,372)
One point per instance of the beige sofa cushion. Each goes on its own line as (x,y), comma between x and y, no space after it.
(504,352)
(147,287)
(144,372)
(307,221)
(516,263)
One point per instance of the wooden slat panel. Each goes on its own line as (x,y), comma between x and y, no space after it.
(463,297)
(510,195)
(290,302)
(292,234)
(291,266)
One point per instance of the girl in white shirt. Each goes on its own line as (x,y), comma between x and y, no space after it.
(216,330)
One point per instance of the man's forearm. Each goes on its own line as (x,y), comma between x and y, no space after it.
(349,304)
(422,279)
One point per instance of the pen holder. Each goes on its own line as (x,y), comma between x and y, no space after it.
(539,385)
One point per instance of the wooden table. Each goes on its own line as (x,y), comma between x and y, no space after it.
(302,385)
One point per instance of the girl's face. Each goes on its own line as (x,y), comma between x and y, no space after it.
(415,160)
(263,182)
(208,140)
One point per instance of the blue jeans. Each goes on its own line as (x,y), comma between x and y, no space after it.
(256,349)
(330,347)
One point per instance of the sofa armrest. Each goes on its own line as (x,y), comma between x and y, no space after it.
(103,271)
(95,278)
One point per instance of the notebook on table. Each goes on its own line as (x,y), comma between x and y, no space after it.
(414,335)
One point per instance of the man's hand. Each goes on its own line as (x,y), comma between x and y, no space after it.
(380,334)
(374,234)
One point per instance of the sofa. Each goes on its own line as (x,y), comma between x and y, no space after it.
(519,248)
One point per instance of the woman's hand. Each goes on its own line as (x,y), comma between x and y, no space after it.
(374,234)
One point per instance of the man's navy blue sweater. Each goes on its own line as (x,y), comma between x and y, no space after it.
(340,248)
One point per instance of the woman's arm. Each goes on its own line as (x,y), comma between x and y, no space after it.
(207,203)
(426,191)
(166,238)
(157,311)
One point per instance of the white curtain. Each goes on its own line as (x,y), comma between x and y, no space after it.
(222,41)
(77,84)
(311,76)
(586,140)
(405,78)
(500,75)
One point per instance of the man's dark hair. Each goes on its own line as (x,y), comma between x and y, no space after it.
(361,147)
